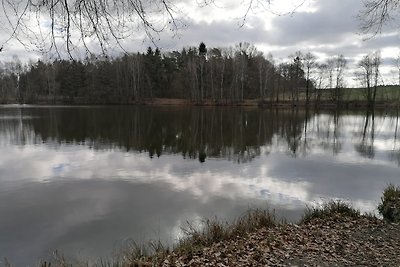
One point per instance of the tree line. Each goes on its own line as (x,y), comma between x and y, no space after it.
(199,74)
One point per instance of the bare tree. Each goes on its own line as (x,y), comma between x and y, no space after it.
(309,64)
(330,64)
(398,67)
(64,25)
(244,51)
(340,66)
(376,13)
(322,77)
(376,63)
(365,65)
(269,84)
(369,65)
(261,66)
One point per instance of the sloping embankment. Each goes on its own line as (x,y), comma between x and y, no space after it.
(337,240)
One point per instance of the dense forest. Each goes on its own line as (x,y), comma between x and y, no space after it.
(199,74)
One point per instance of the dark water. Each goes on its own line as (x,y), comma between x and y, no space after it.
(84,180)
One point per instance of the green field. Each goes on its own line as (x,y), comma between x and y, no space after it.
(390,94)
(383,93)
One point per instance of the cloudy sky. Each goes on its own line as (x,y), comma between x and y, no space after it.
(323,27)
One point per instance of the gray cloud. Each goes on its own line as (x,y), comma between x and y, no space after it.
(215,34)
(331,23)
(331,30)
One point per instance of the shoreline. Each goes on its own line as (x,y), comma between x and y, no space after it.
(256,103)
(333,234)
(338,240)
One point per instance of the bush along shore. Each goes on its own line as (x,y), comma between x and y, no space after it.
(332,234)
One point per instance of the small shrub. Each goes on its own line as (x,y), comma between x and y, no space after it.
(389,207)
(329,209)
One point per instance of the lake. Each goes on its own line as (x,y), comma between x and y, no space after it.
(86,181)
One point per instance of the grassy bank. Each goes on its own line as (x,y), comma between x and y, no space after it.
(333,234)
(350,98)
(320,104)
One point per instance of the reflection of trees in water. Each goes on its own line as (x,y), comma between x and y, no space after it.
(336,141)
(366,145)
(302,145)
(236,134)
(395,152)
(369,130)
(328,131)
(293,131)
(14,128)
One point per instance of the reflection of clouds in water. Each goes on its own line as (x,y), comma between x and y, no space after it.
(87,216)
(59,169)
(76,197)
(277,178)
(217,178)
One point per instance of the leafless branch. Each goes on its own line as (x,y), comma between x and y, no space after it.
(72,23)
(376,14)
(265,5)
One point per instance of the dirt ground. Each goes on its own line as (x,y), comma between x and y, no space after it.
(336,241)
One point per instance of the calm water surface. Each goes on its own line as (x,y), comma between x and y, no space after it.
(84,180)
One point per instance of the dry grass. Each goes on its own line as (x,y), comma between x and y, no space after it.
(329,209)
(213,231)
